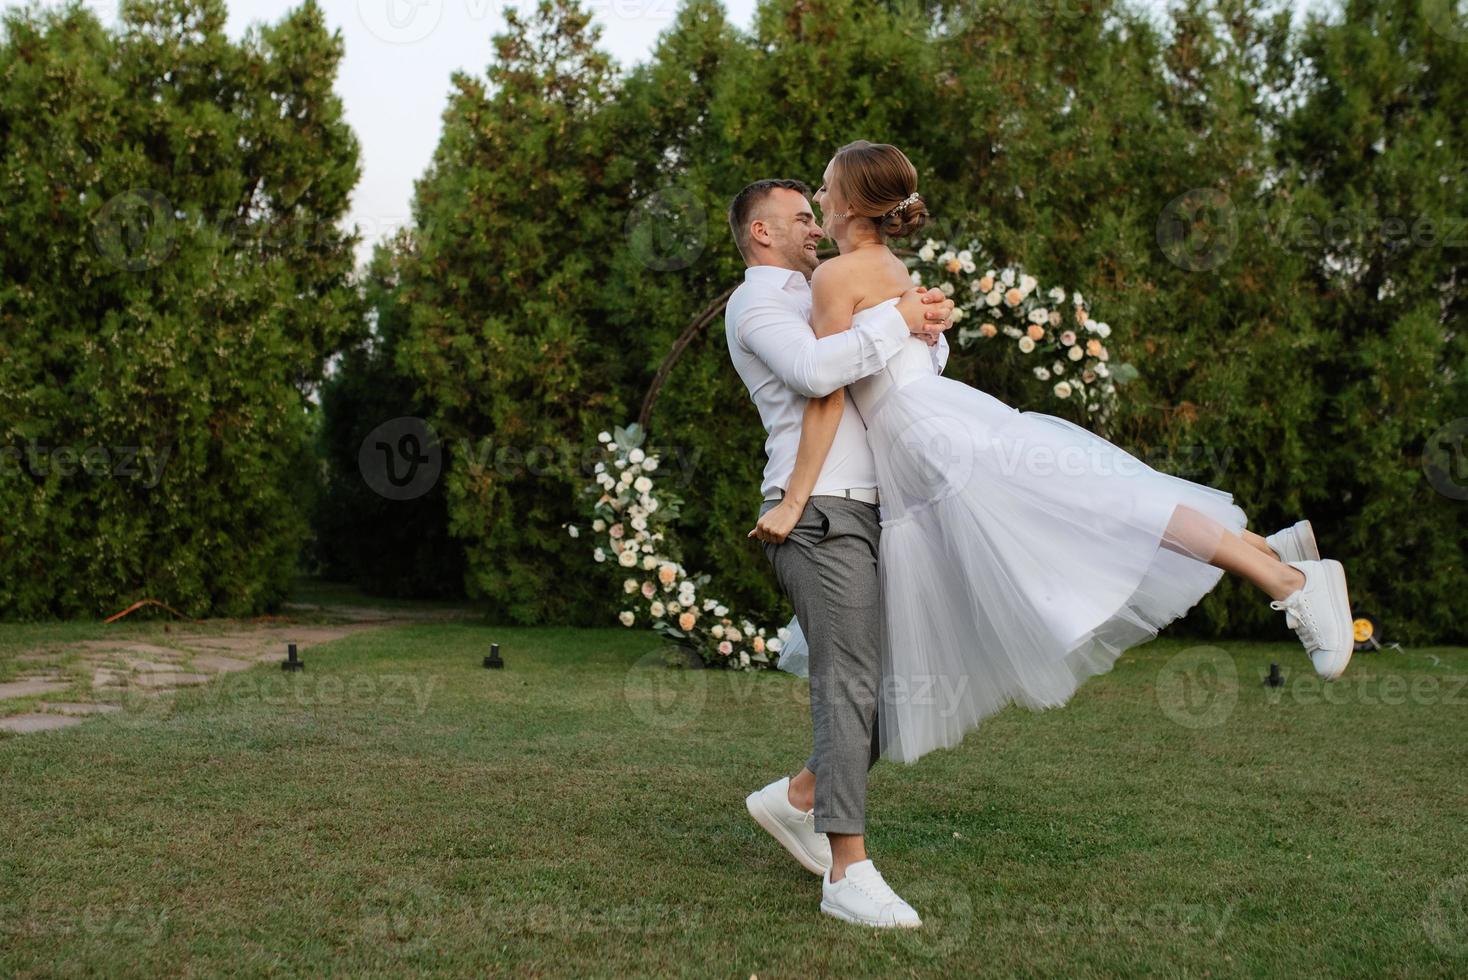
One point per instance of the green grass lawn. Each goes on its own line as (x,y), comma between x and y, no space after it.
(397,809)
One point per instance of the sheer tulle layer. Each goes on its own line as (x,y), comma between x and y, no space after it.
(1020,555)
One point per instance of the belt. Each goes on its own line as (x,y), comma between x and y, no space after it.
(867,495)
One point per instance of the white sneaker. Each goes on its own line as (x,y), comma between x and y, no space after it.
(1320,614)
(794,829)
(864,898)
(1296,543)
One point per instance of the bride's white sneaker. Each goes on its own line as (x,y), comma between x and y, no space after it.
(1320,614)
(794,829)
(1295,543)
(864,898)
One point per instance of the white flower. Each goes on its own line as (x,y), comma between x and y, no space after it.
(650,504)
(627,618)
(599,555)
(957,314)
(573,530)
(1042,373)
(926,252)
(649,464)
(1062,390)
(743,659)
(657,609)
(1013,332)
(603,437)
(1057,369)
(1102,370)
(627,558)
(946,257)
(1075,354)
(783,633)
(916,277)
(717,632)
(1039,315)
(721,610)
(629,586)
(619,463)
(675,607)
(649,562)
(1026,345)
(1007,277)
(947,288)
(708,605)
(639,523)
(1057,295)
(734,634)
(611,447)
(606,481)
(636,456)
(775,644)
(598,525)
(642,484)
(1077,300)
(994,297)
(1104,329)
(599,468)
(1027,284)
(966,260)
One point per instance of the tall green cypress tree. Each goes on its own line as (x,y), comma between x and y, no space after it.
(173,280)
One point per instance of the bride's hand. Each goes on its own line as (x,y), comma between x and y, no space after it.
(777,523)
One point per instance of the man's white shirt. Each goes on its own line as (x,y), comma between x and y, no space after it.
(767,326)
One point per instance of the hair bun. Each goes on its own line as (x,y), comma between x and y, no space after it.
(905,220)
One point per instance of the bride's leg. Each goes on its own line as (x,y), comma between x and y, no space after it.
(1257,542)
(1199,536)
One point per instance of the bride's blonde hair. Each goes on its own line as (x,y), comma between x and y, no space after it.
(879,182)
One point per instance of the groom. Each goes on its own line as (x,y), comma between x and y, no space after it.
(828,563)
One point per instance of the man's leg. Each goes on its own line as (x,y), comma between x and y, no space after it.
(828,568)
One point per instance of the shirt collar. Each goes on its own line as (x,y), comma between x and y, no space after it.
(787,279)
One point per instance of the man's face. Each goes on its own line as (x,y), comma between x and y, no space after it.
(792,229)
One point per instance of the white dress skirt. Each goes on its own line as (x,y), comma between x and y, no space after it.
(1020,553)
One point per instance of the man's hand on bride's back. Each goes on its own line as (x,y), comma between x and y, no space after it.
(927,311)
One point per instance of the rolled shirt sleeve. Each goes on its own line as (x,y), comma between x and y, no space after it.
(813,367)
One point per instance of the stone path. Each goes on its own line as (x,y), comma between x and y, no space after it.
(117,669)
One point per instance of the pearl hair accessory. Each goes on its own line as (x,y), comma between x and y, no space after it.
(910,199)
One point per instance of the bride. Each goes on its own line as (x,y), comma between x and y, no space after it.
(1020,554)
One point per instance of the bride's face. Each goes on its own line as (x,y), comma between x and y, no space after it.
(829,200)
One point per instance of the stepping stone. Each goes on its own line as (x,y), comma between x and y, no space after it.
(107,678)
(71,708)
(26,724)
(138,650)
(27,686)
(219,663)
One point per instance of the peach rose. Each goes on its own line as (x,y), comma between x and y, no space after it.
(685,622)
(1036,332)
(1093,347)
(986,284)
(988,329)
(759,644)
(1014,297)
(667,574)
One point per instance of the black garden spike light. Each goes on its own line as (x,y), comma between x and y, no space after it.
(1275,678)
(292,661)
(493,661)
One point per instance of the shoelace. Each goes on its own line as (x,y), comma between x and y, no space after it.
(875,887)
(1304,627)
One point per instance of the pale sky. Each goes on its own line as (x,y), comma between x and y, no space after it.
(394,80)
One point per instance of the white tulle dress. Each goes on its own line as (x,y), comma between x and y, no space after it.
(1020,553)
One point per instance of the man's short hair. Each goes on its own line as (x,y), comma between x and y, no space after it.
(742,208)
